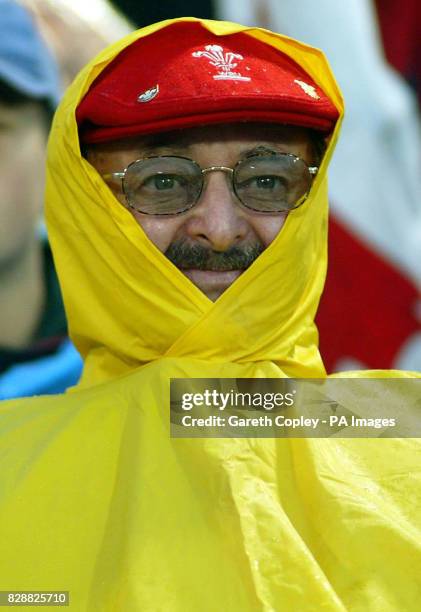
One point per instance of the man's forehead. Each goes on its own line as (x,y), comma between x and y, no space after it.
(241,133)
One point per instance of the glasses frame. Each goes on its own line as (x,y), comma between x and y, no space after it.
(204,171)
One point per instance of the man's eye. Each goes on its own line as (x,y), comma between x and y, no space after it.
(264,183)
(267,182)
(163,182)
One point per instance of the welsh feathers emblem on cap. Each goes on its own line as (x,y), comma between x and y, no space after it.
(225,62)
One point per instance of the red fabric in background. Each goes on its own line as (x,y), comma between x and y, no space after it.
(400,26)
(367,311)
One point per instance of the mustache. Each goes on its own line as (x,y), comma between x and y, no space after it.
(195,256)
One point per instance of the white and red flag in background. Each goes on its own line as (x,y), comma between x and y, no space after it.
(370,313)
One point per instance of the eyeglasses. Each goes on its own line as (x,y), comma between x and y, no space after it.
(171,185)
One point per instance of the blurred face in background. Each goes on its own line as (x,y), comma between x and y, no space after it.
(23,134)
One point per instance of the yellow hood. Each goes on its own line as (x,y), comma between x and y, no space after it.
(127,305)
(98,499)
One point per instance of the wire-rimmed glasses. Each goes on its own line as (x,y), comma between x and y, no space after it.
(171,184)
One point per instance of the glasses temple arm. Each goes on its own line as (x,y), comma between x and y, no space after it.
(113,175)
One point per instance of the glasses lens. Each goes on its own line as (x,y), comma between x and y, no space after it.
(272,183)
(162,185)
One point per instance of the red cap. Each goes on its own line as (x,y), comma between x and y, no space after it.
(184,76)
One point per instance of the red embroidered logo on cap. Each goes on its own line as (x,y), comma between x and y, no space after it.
(224,61)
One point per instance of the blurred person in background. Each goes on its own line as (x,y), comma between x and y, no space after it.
(370,312)
(76,31)
(35,354)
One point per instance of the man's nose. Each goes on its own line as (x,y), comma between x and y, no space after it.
(217,221)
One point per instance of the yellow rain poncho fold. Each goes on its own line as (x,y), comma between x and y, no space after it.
(98,500)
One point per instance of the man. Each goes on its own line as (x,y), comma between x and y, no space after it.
(35,356)
(206,237)
(197,253)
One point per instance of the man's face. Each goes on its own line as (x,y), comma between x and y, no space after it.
(22,158)
(216,240)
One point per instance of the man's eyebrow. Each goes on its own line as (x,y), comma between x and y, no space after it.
(262,149)
(157,146)
(164,150)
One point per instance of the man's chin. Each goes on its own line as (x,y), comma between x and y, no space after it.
(212,282)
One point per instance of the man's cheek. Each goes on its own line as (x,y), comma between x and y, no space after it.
(161,232)
(268,228)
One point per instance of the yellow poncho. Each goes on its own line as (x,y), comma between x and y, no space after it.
(97,499)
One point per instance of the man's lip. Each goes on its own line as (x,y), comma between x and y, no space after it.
(184,269)
(212,279)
